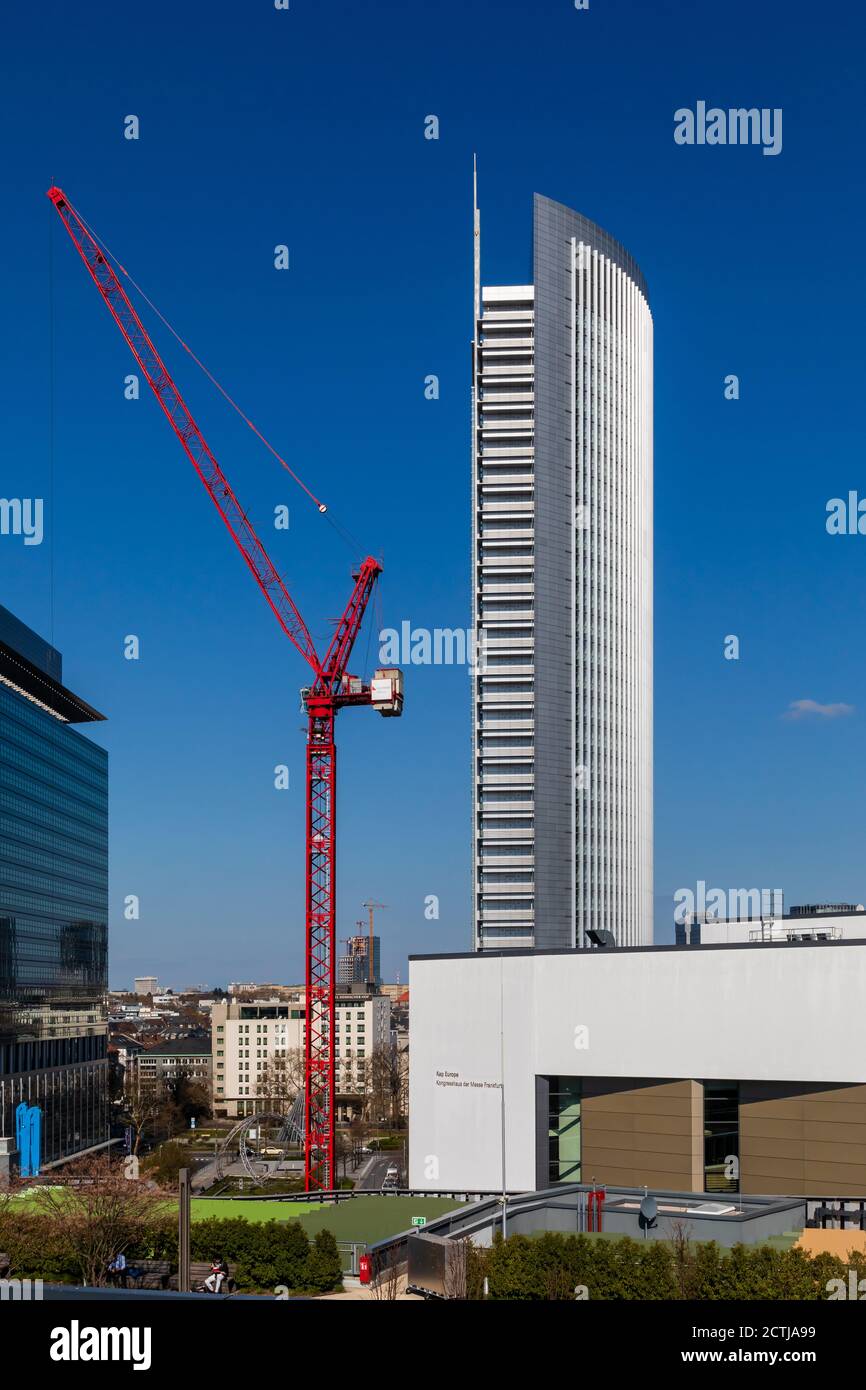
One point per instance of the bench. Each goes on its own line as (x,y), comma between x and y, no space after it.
(149,1274)
(199,1270)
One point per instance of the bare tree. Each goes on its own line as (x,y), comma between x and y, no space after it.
(97,1213)
(385,1280)
(389,1078)
(456,1278)
(343,1149)
(143,1105)
(358,1131)
(681,1232)
(281,1078)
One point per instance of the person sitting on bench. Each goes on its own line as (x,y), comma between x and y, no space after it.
(219,1272)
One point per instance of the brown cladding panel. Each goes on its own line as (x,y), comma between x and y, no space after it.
(803,1138)
(637,1132)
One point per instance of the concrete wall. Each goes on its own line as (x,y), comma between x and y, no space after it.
(848,926)
(761,1013)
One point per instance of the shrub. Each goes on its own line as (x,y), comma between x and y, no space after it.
(165,1163)
(552,1265)
(324,1270)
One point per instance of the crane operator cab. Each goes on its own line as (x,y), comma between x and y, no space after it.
(386,690)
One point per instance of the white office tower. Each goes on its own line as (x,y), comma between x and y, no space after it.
(563,530)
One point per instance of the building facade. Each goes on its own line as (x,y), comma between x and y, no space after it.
(562,585)
(53,902)
(353,964)
(840,923)
(170,1061)
(729,1068)
(258,1051)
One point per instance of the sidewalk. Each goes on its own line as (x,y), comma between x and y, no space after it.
(359,1293)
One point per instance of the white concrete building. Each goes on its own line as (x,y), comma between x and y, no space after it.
(798,925)
(258,1047)
(708,1068)
(562,585)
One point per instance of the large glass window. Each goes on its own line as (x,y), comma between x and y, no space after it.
(721,1136)
(53,927)
(564,1129)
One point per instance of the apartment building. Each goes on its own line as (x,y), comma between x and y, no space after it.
(258,1050)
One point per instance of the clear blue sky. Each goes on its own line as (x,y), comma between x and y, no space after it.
(305,127)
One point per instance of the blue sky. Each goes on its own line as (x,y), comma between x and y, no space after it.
(260,127)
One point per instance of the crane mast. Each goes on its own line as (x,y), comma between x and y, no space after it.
(332,688)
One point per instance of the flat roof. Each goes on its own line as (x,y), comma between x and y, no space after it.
(673,946)
(29,644)
(34,683)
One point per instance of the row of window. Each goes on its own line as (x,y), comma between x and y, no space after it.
(16,709)
(52,762)
(14,786)
(52,1052)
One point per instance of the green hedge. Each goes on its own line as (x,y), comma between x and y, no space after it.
(263,1254)
(553,1265)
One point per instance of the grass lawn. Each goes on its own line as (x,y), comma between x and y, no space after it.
(361,1218)
(365,1219)
(205,1207)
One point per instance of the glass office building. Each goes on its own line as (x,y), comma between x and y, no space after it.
(53,903)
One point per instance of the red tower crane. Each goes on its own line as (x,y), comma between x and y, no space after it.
(331,690)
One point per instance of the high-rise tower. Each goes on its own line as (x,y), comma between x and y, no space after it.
(562,592)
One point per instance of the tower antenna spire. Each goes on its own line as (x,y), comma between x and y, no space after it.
(476,238)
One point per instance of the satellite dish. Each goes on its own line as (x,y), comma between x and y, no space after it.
(600,936)
(648,1214)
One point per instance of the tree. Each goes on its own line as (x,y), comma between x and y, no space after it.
(359,1129)
(281,1078)
(384,1278)
(97,1213)
(190,1098)
(165,1163)
(324,1269)
(343,1150)
(389,1083)
(143,1106)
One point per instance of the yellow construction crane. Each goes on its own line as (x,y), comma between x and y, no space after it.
(371,972)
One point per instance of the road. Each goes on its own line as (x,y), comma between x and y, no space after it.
(372,1175)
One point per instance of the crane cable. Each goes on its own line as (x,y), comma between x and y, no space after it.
(344,534)
(52,391)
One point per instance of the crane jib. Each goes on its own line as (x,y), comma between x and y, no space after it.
(332,688)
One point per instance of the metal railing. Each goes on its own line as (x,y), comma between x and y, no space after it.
(831,1213)
(348,1194)
(350,1255)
